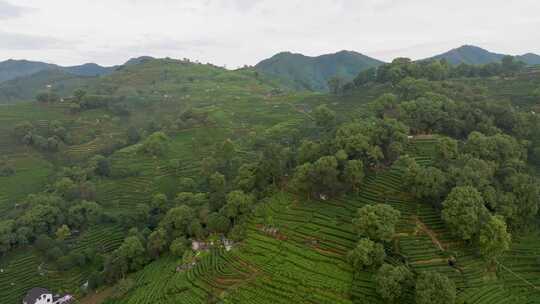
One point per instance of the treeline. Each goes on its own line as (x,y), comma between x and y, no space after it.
(433,70)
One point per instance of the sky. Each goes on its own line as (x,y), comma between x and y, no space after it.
(234,33)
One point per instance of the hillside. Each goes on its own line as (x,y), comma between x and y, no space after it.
(132,168)
(470,54)
(26,88)
(12,69)
(313,73)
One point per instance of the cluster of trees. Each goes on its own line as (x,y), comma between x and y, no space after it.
(49,139)
(337,161)
(482,187)
(433,70)
(68,203)
(375,225)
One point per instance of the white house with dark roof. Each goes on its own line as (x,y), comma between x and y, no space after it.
(43,296)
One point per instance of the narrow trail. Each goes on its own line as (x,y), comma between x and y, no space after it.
(432,235)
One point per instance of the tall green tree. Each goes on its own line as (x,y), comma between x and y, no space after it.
(494,238)
(464,211)
(366,254)
(435,288)
(377,222)
(394,283)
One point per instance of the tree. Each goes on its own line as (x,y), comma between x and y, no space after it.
(309,151)
(216,186)
(391,136)
(177,220)
(499,148)
(366,254)
(103,165)
(179,246)
(354,139)
(435,288)
(157,242)
(377,222)
(218,223)
(63,233)
(446,150)
(353,173)
(8,235)
(22,129)
(324,117)
(335,84)
(394,282)
(159,202)
(320,177)
(429,184)
(494,238)
(132,250)
(79,94)
(463,211)
(238,203)
(525,205)
(84,213)
(156,144)
(387,106)
(47,97)
(246,178)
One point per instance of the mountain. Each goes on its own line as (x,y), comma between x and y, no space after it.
(26,88)
(313,73)
(471,54)
(530,58)
(89,69)
(12,69)
(138,60)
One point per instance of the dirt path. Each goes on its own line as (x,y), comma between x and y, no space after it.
(432,235)
(97,298)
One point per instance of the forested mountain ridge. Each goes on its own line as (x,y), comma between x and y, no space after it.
(12,69)
(474,55)
(413,182)
(313,73)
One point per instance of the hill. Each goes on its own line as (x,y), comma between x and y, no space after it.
(12,69)
(160,153)
(54,80)
(313,73)
(470,54)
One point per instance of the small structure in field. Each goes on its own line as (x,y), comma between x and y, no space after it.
(43,296)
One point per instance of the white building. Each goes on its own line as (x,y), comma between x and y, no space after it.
(43,296)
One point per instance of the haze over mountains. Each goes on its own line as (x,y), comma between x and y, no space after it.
(296,70)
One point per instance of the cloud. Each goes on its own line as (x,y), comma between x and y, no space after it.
(19,41)
(9,11)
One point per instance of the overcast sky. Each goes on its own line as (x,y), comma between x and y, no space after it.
(238,32)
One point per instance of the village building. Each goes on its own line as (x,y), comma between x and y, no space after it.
(43,296)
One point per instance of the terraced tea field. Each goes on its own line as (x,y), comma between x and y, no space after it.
(295,253)
(23,270)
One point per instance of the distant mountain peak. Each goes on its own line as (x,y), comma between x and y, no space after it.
(471,54)
(313,72)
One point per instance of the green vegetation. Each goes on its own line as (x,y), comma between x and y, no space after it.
(322,73)
(174,181)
